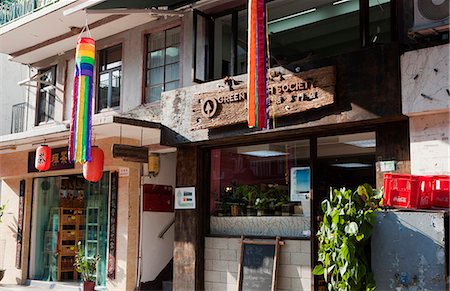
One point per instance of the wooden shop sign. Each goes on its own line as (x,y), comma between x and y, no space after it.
(288,94)
(130,153)
(60,160)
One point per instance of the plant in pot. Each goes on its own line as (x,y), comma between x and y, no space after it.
(2,246)
(248,194)
(262,205)
(87,267)
(344,235)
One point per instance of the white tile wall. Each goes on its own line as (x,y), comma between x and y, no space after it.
(222,257)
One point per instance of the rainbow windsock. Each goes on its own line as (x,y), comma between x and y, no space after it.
(257,96)
(80,127)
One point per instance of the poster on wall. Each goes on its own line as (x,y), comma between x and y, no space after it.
(185,198)
(300,183)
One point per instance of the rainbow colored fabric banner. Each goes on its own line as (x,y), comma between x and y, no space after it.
(257,96)
(81,124)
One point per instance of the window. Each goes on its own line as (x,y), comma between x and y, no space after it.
(110,75)
(163,63)
(299,31)
(46,95)
(259,185)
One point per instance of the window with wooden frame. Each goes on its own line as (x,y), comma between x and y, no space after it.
(162,63)
(45,110)
(110,75)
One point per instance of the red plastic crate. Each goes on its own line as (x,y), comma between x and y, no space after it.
(407,191)
(440,192)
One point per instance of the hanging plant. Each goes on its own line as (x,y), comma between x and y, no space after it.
(343,236)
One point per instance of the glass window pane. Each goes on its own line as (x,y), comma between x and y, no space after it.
(41,108)
(103,91)
(222,46)
(156,59)
(172,54)
(51,105)
(299,32)
(156,76)
(265,179)
(172,72)
(380,21)
(153,94)
(156,41)
(115,89)
(173,36)
(241,65)
(114,57)
(171,86)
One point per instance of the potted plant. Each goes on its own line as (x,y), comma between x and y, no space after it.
(248,194)
(262,206)
(2,245)
(87,267)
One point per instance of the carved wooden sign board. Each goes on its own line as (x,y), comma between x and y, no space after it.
(288,94)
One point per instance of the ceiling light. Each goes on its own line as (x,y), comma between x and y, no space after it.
(292,16)
(263,150)
(352,165)
(368,143)
(340,2)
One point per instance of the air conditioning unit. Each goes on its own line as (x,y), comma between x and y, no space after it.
(431,14)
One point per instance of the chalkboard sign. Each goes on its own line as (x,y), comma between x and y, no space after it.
(258,265)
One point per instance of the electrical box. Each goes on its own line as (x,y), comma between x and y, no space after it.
(158,198)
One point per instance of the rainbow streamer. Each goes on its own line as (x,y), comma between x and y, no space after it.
(257,95)
(81,124)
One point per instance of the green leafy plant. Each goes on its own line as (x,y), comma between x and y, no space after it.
(87,267)
(2,210)
(343,235)
(248,193)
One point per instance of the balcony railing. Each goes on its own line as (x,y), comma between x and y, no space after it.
(17,119)
(11,10)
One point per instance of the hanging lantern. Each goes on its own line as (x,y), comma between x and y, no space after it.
(93,170)
(43,158)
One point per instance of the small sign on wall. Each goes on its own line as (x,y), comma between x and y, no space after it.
(185,198)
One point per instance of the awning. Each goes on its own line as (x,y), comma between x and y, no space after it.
(139,4)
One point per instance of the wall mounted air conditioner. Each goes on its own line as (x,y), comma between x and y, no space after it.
(431,14)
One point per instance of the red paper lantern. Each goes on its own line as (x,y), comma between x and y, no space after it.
(43,158)
(93,170)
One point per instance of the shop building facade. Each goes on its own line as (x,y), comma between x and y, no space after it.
(339,118)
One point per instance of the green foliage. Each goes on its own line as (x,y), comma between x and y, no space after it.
(247,192)
(343,234)
(87,267)
(2,209)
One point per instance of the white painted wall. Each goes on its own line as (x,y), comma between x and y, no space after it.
(426,100)
(425,80)
(156,252)
(10,92)
(430,147)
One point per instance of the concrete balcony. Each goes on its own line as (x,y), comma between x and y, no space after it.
(11,10)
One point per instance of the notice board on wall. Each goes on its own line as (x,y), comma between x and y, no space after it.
(258,265)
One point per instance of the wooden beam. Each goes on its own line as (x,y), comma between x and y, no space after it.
(64,36)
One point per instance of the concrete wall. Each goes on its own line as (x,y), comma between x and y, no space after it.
(156,252)
(10,92)
(222,256)
(426,100)
(430,146)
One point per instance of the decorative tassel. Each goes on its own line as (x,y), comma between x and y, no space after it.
(81,123)
(257,95)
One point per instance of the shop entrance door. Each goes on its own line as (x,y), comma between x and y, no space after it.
(342,161)
(68,212)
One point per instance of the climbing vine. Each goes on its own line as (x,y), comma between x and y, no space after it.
(343,235)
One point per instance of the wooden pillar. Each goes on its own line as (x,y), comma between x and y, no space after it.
(393,145)
(189,234)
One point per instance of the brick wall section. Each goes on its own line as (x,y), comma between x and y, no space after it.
(222,257)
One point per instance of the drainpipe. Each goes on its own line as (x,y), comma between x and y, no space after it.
(141,207)
(27,111)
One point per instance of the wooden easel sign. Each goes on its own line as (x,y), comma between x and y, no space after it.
(258,265)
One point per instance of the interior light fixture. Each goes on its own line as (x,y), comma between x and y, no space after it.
(292,15)
(262,151)
(367,143)
(351,165)
(340,2)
